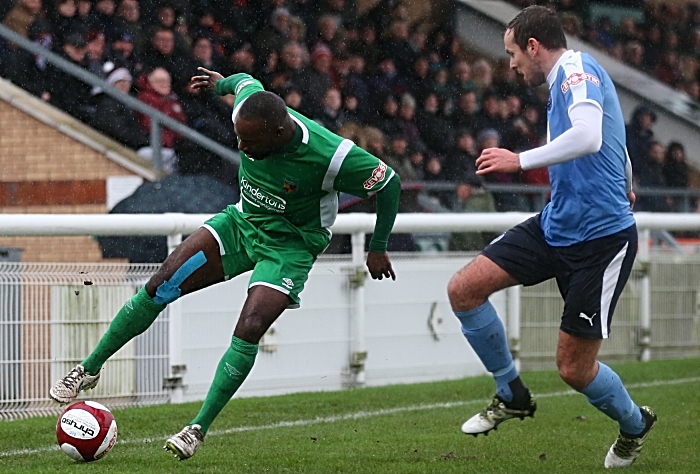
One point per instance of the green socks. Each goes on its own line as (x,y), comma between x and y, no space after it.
(233,369)
(137,314)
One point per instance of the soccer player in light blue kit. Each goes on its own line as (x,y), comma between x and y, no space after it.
(585,237)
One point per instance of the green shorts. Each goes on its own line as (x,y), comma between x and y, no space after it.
(279,260)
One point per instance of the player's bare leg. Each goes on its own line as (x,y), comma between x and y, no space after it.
(580,369)
(468,291)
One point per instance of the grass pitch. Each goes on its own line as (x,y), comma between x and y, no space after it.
(397,429)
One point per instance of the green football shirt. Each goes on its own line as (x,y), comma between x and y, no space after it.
(300,185)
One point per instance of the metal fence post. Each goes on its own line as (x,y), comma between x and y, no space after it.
(513,322)
(156,145)
(175,337)
(645,303)
(358,353)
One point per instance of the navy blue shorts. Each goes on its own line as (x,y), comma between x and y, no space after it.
(590,275)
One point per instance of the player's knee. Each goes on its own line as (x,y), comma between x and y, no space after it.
(250,328)
(461,294)
(573,376)
(164,289)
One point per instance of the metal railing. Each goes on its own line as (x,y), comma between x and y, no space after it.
(158,119)
(51,315)
(540,192)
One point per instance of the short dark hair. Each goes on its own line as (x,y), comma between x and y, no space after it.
(266,107)
(540,23)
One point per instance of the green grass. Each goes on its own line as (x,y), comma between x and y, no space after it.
(401,429)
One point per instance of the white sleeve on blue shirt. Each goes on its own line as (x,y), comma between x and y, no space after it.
(628,172)
(583,138)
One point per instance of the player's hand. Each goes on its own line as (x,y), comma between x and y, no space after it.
(497,160)
(379,265)
(632,198)
(205,82)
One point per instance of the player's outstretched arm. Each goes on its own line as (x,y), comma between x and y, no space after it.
(378,262)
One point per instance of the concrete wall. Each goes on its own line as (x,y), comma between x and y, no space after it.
(311,347)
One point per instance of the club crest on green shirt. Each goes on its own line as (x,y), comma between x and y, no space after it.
(289,185)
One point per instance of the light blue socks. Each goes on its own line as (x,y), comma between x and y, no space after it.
(607,394)
(486,334)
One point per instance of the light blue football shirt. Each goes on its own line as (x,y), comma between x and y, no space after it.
(589,197)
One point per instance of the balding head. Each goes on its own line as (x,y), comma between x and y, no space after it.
(263,125)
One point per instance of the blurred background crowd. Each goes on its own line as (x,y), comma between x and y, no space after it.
(409,92)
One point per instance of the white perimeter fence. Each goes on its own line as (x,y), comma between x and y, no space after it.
(351,331)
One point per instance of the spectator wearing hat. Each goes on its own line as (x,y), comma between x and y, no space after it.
(128,21)
(114,118)
(67,92)
(317,76)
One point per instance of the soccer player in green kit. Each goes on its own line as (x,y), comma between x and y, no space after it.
(290,175)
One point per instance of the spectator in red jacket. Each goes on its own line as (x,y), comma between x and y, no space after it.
(156,91)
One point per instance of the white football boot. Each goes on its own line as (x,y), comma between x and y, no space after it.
(66,390)
(495,414)
(184,444)
(626,447)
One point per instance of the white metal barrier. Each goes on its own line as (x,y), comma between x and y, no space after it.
(36,350)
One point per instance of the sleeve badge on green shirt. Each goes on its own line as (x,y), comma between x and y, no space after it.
(289,185)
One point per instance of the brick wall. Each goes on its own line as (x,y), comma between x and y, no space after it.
(45,171)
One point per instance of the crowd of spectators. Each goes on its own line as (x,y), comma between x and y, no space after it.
(664,41)
(409,92)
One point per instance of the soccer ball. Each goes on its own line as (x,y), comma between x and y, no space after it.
(86,431)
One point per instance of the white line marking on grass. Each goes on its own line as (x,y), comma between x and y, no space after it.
(352,416)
